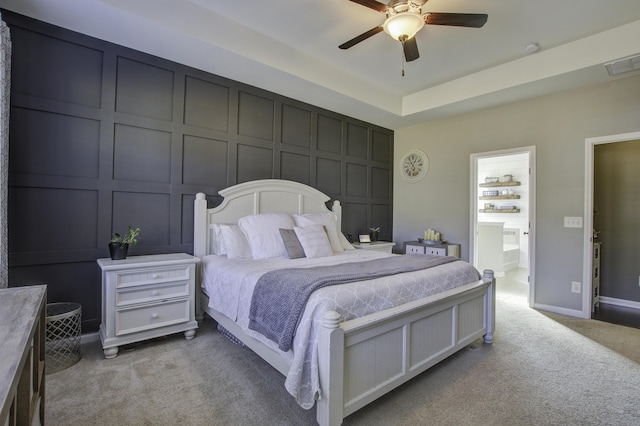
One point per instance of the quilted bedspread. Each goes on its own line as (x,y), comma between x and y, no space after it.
(280,296)
(230,285)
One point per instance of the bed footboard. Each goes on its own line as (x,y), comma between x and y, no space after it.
(363,359)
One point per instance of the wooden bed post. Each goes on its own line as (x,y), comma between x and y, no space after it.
(200,223)
(199,244)
(337,209)
(490,316)
(331,365)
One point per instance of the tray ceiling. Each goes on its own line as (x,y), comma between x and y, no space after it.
(291,47)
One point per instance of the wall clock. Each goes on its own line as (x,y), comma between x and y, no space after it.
(414,165)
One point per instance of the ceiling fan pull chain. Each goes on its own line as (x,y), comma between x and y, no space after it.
(403,59)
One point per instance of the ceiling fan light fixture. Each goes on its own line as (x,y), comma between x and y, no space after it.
(403,25)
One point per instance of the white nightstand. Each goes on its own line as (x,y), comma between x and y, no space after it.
(144,297)
(384,246)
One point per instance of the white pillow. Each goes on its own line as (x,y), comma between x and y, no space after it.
(314,241)
(263,233)
(346,245)
(235,243)
(330,222)
(217,245)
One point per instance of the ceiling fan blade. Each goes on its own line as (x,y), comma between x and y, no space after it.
(361,37)
(410,48)
(473,20)
(373,4)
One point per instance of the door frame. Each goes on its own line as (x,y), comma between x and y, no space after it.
(587,262)
(473,216)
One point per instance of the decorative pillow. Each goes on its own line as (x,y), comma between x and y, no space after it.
(291,243)
(262,232)
(235,243)
(314,240)
(327,219)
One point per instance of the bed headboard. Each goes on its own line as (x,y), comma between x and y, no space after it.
(259,196)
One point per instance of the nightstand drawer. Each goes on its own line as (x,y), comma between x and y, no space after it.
(438,251)
(132,320)
(151,275)
(150,293)
(410,249)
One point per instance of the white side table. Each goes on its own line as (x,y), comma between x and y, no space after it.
(384,246)
(144,297)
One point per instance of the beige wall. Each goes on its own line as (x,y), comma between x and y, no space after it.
(557,126)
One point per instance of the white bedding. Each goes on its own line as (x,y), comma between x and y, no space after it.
(229,285)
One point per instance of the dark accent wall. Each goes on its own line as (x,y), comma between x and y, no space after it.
(616,205)
(102,137)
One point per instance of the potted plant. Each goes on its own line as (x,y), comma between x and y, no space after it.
(119,245)
(374,233)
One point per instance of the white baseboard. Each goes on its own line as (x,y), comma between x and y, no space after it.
(559,310)
(620,302)
(89,337)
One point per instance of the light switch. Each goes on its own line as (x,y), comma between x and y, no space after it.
(573,222)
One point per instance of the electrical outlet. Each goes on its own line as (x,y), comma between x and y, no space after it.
(572,222)
(576,286)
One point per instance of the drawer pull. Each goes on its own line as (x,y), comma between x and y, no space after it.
(155,293)
(154,316)
(156,276)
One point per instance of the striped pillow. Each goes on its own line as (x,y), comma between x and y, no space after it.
(314,240)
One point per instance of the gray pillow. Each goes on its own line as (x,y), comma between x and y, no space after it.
(291,243)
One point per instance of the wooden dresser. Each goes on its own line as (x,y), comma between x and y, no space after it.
(22,333)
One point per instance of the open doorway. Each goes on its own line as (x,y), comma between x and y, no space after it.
(502,214)
(611,192)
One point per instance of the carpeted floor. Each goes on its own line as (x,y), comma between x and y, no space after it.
(542,369)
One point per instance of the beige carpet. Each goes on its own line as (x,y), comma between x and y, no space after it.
(542,369)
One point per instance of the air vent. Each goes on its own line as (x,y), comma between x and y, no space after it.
(621,66)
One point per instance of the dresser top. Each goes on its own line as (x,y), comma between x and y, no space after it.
(143,261)
(19,307)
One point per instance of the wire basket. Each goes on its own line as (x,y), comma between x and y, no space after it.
(62,348)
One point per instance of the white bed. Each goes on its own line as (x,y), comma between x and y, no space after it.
(339,356)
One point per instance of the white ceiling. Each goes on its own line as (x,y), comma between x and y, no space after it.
(290,47)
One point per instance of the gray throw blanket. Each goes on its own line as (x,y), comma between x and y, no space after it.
(280,296)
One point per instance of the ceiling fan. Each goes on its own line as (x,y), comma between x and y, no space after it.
(406,18)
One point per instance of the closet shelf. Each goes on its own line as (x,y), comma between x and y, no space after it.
(493,184)
(499,210)
(502,197)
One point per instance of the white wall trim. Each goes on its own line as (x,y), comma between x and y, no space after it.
(587,262)
(620,302)
(89,337)
(558,310)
